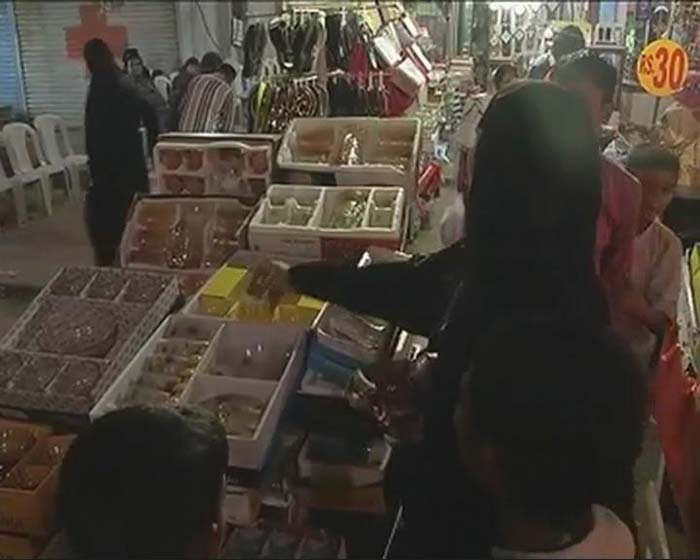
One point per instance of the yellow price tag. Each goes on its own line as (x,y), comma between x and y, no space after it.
(662,67)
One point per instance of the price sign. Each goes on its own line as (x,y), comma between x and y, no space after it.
(662,67)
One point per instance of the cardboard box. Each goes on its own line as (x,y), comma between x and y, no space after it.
(32,512)
(14,547)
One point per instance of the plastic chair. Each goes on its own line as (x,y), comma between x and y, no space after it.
(14,185)
(652,533)
(26,171)
(47,125)
(164,86)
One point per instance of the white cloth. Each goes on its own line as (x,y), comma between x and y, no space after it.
(452,222)
(610,538)
(656,273)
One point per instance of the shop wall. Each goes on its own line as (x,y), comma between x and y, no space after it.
(51,37)
(10,76)
(204,27)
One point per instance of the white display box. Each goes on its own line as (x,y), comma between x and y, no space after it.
(389,150)
(251,453)
(131,374)
(198,168)
(229,339)
(381,223)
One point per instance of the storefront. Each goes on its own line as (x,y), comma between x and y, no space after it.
(50,35)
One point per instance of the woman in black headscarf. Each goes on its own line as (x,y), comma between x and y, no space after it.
(530,234)
(113,115)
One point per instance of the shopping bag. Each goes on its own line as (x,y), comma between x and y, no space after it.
(673,408)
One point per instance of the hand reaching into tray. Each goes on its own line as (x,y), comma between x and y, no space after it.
(269,277)
(392,393)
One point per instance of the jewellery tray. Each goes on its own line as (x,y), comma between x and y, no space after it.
(381,225)
(229,338)
(313,144)
(129,340)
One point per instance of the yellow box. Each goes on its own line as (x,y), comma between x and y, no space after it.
(249,310)
(220,291)
(300,310)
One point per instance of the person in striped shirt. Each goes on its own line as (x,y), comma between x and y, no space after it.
(208,104)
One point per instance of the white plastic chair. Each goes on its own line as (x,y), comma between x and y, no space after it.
(48,125)
(654,542)
(164,86)
(14,185)
(26,172)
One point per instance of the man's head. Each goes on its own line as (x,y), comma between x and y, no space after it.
(145,482)
(591,77)
(227,72)
(657,170)
(547,411)
(191,65)
(210,63)
(569,40)
(133,63)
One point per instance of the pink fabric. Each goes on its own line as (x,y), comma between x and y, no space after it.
(617,224)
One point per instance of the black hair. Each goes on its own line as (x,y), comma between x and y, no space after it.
(99,57)
(586,66)
(142,482)
(652,156)
(564,408)
(535,195)
(211,62)
(190,60)
(131,54)
(229,70)
(570,39)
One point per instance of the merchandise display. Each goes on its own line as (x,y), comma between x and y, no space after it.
(343,343)
(244,373)
(265,541)
(334,223)
(230,294)
(223,168)
(30,457)
(66,349)
(190,236)
(358,151)
(343,460)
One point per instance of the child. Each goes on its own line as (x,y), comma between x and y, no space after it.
(651,304)
(145,482)
(550,428)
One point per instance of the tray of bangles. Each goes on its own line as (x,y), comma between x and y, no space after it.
(242,372)
(223,168)
(77,335)
(188,236)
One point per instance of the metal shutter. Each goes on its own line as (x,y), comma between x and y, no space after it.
(10,84)
(55,83)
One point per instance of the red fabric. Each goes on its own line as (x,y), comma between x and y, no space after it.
(358,62)
(674,410)
(617,223)
(398,101)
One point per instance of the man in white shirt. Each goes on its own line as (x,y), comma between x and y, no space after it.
(656,262)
